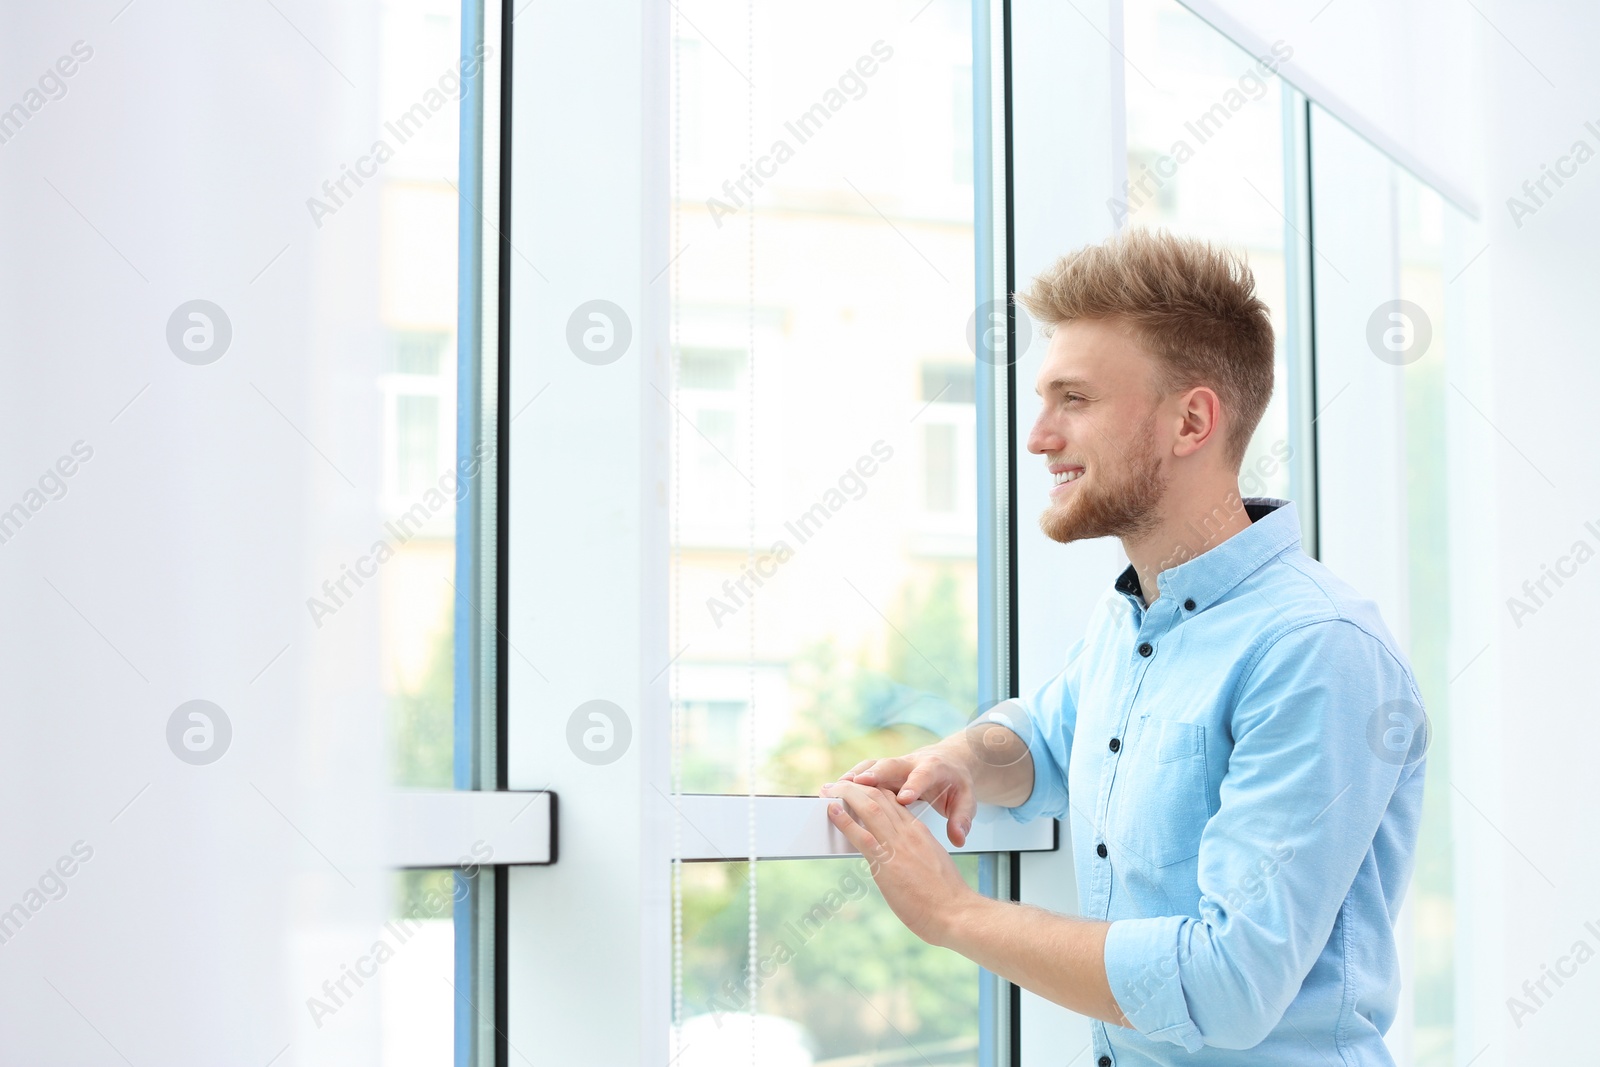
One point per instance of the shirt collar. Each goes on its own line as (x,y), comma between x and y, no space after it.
(1206,578)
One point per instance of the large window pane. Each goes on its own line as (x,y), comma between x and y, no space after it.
(420,42)
(1421,218)
(851,421)
(1205,159)
(839,979)
(420,60)
(414,957)
(825,500)
(1387,233)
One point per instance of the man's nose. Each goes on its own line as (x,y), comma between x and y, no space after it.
(1043,439)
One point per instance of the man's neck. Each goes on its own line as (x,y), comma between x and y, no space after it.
(1192,524)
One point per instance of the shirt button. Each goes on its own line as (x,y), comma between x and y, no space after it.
(1104,1061)
(1115,744)
(1100,850)
(1145,649)
(1188,605)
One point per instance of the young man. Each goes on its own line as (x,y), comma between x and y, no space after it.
(1236,740)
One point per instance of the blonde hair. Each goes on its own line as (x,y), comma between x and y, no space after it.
(1194,306)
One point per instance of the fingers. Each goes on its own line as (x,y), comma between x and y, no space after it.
(960,813)
(930,782)
(850,775)
(875,808)
(858,836)
(888,773)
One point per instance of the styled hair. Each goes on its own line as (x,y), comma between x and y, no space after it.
(1194,306)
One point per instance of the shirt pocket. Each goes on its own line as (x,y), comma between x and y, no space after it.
(1159,798)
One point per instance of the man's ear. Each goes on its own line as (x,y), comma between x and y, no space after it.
(1199,420)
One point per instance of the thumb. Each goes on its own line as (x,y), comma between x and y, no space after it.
(962,809)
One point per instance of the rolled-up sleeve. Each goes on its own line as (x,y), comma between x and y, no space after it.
(1045,721)
(1314,766)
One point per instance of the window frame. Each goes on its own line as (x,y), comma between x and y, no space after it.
(1052,180)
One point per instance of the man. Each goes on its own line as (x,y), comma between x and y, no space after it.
(1236,740)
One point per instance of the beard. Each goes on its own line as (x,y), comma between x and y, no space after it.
(1104,505)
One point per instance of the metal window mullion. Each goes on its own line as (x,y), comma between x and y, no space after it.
(1300,315)
(475,664)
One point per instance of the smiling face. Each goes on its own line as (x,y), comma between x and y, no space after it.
(1097,431)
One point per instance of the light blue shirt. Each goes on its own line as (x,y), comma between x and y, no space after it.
(1241,764)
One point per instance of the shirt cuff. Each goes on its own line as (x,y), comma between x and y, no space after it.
(1049,796)
(1144,972)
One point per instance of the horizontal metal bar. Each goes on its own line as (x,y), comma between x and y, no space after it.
(455,828)
(717,828)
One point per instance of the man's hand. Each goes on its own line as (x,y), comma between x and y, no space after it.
(926,774)
(916,875)
(987,762)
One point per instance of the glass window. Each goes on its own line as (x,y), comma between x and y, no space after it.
(1420,217)
(419,42)
(825,500)
(411,953)
(839,979)
(418,191)
(1387,235)
(1205,159)
(841,408)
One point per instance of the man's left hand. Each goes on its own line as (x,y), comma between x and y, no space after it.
(913,871)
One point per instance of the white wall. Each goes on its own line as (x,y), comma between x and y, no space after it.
(1534,712)
(176,165)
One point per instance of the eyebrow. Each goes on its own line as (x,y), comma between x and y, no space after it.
(1057,385)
